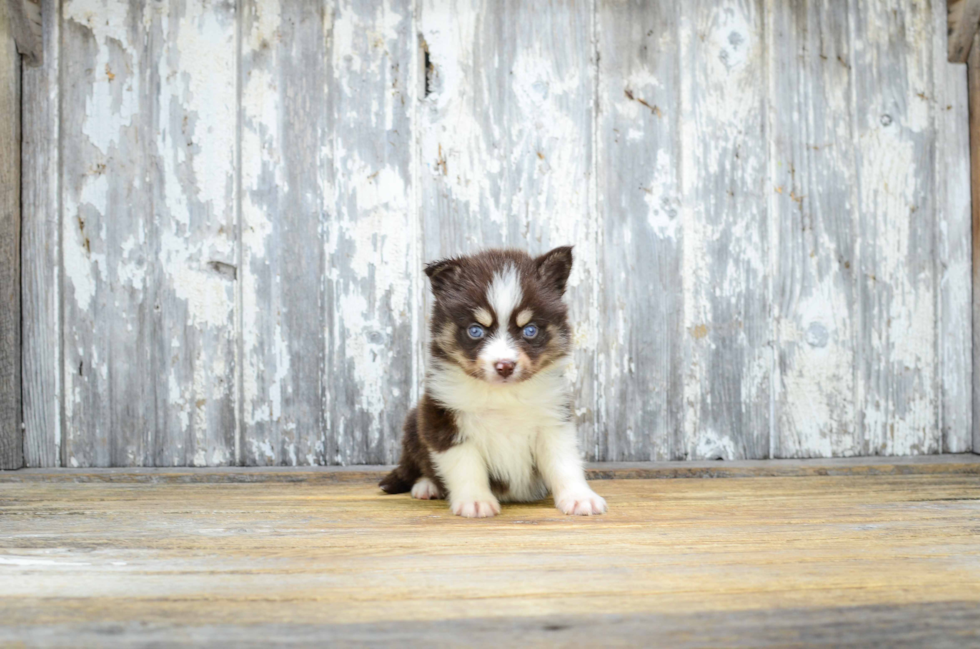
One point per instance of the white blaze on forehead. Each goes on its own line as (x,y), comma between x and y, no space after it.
(483,317)
(504,295)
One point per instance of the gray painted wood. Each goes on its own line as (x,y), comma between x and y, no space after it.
(812,168)
(41,243)
(953,262)
(372,249)
(189,271)
(286,175)
(641,351)
(149,232)
(973,78)
(506,140)
(767,201)
(11,433)
(726,242)
(894,149)
(330,258)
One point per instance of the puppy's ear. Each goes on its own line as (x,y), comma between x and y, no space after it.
(554,267)
(442,274)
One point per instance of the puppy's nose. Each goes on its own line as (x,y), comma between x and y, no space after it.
(504,368)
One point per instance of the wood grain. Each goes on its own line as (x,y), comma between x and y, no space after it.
(963,18)
(11,433)
(964,463)
(973,72)
(895,146)
(149,230)
(954,330)
(41,245)
(189,275)
(642,347)
(286,171)
(812,168)
(371,299)
(506,139)
(252,560)
(726,244)
(24,20)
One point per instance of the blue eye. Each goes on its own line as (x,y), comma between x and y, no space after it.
(475,332)
(530,331)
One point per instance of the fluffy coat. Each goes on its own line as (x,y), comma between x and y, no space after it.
(494,424)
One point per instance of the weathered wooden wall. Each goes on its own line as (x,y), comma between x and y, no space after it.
(227,207)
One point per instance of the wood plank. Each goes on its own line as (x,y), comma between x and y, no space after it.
(973,73)
(25,24)
(149,233)
(506,140)
(11,433)
(372,249)
(937,624)
(963,18)
(726,247)
(189,278)
(106,202)
(641,345)
(286,176)
(812,165)
(41,245)
(963,463)
(895,140)
(272,558)
(953,259)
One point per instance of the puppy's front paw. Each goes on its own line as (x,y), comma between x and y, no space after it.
(476,508)
(581,503)
(425,489)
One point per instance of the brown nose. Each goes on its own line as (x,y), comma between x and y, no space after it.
(504,368)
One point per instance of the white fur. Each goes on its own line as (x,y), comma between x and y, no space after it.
(504,295)
(425,489)
(516,433)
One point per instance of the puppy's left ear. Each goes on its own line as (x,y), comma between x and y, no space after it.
(554,267)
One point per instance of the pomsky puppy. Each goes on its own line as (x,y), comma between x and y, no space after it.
(495,421)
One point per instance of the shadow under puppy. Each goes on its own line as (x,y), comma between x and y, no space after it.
(495,421)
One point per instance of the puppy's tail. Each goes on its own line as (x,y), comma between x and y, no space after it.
(408,471)
(398,481)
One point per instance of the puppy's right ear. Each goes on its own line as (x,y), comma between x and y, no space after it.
(442,274)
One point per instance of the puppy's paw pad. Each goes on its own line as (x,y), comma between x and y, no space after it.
(425,489)
(476,508)
(582,504)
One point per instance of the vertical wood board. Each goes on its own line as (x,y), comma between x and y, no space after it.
(11,433)
(286,175)
(812,172)
(724,190)
(41,243)
(641,342)
(895,147)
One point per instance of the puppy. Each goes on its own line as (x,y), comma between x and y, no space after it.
(495,422)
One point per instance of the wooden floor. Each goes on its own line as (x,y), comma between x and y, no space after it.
(763,561)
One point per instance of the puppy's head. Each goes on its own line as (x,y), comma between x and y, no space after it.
(499,314)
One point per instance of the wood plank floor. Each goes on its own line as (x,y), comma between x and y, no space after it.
(764,561)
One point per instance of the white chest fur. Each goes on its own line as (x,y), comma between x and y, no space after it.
(505,423)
